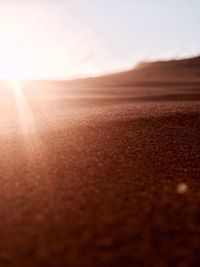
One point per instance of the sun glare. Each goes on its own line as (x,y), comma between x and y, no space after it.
(14,67)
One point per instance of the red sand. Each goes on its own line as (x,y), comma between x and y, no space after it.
(102,172)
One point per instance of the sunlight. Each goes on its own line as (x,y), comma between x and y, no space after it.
(25,114)
(14,66)
(31,142)
(49,47)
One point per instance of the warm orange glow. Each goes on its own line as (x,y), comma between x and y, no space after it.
(14,68)
(15,61)
(41,49)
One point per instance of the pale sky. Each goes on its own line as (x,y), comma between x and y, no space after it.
(72,38)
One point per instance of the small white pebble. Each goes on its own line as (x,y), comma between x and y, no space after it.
(182,188)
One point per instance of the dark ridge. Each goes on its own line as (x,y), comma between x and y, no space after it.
(184,71)
(189,62)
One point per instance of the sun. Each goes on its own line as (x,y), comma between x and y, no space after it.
(14,67)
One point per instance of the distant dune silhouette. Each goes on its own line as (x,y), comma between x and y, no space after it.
(152,73)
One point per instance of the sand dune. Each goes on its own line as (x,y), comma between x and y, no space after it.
(102,171)
(164,72)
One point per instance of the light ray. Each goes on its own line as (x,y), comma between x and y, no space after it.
(32,142)
(25,115)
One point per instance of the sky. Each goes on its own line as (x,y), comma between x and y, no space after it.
(72,38)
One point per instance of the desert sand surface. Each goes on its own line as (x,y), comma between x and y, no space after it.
(102,171)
